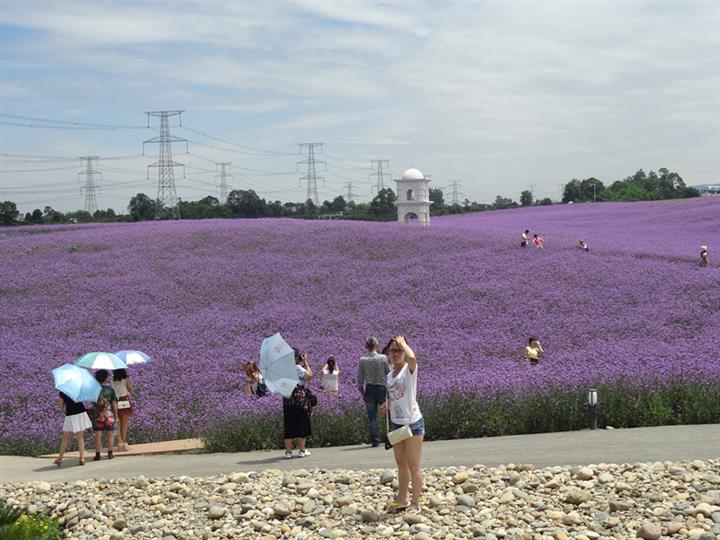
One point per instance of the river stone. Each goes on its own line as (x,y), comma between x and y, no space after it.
(216,511)
(386,477)
(460,477)
(369,516)
(649,531)
(281,510)
(577,496)
(465,500)
(119,524)
(585,474)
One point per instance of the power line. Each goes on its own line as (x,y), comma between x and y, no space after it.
(350,195)
(271,152)
(69,123)
(166,195)
(455,197)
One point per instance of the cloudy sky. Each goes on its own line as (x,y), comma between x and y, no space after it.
(497,95)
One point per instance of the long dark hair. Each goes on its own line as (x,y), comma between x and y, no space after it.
(331,364)
(119,374)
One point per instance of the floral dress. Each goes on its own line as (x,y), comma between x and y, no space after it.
(103,416)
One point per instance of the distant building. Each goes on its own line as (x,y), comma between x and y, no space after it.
(413,197)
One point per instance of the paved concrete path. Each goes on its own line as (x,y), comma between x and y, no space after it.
(546,449)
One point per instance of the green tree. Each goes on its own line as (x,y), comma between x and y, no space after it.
(384,203)
(339,204)
(37,216)
(526,198)
(8,213)
(504,202)
(246,203)
(437,200)
(142,207)
(547,201)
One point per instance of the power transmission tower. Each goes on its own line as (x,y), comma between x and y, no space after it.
(311,178)
(223,187)
(350,195)
(455,193)
(532,192)
(378,174)
(166,193)
(89,187)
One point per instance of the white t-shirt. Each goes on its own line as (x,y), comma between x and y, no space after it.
(330,380)
(120,388)
(402,394)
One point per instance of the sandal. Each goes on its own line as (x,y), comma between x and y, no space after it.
(58,461)
(396,506)
(82,461)
(414,510)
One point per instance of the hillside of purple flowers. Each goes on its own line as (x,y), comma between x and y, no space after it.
(200,296)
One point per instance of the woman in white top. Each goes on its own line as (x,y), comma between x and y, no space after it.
(123,387)
(404,411)
(330,375)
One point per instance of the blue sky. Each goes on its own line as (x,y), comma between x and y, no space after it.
(498,95)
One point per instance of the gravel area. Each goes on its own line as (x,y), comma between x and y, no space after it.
(516,502)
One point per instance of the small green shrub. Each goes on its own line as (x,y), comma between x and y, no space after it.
(14,525)
(456,416)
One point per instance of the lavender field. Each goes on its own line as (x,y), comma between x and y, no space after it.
(636,312)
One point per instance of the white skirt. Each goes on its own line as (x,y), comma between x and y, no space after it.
(77,423)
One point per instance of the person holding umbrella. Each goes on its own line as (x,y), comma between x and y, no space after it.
(75,385)
(123,388)
(104,414)
(295,419)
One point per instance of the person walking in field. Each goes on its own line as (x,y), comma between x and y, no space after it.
(76,422)
(123,387)
(104,414)
(534,351)
(296,419)
(538,241)
(403,408)
(704,261)
(524,238)
(372,371)
(331,376)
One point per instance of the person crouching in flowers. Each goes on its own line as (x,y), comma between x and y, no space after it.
(104,414)
(330,376)
(402,406)
(534,351)
(76,421)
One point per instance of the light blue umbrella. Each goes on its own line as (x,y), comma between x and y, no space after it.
(132,358)
(277,365)
(76,383)
(100,360)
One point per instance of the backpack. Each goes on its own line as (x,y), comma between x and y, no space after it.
(261,389)
(304,399)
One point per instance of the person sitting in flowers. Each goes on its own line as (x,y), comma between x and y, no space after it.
(534,351)
(582,244)
(254,382)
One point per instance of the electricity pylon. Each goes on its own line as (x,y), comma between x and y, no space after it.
(89,187)
(311,177)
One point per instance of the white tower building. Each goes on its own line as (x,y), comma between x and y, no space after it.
(413,197)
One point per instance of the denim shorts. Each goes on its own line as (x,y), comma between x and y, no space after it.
(417,428)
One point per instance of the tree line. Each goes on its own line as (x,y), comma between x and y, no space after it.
(240,203)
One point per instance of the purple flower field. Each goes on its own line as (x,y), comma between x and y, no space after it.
(200,296)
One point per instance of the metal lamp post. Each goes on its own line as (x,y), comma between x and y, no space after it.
(592,405)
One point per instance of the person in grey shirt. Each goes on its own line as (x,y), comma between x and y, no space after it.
(372,371)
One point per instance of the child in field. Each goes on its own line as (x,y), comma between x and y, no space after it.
(538,241)
(534,351)
(104,414)
(76,422)
(704,261)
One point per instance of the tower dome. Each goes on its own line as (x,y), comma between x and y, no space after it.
(413,174)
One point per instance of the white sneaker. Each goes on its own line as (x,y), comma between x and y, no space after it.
(303,453)
(288,454)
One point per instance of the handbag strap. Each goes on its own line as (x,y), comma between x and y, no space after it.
(387,416)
